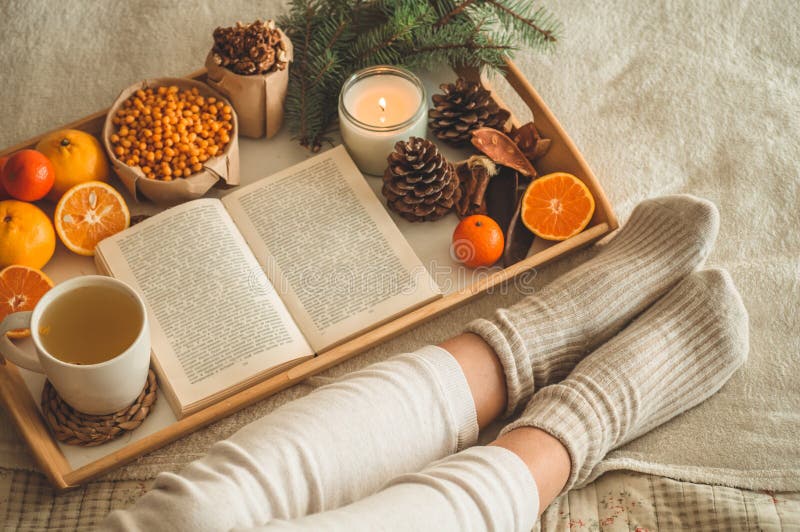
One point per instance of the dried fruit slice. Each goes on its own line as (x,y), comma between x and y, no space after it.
(88,213)
(557,206)
(21,288)
(498,147)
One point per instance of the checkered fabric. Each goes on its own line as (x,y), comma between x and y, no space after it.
(616,501)
(28,502)
(623,500)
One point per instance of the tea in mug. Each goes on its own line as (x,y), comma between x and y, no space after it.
(90,324)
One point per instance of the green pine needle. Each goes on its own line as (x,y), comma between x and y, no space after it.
(334,38)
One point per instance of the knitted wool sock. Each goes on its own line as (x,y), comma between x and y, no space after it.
(673,357)
(541,338)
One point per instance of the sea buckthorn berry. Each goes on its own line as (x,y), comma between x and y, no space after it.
(169,132)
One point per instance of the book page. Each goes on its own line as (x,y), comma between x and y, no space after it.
(216,320)
(335,256)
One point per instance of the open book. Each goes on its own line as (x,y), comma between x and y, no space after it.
(241,288)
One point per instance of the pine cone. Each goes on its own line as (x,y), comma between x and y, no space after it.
(464,106)
(419,183)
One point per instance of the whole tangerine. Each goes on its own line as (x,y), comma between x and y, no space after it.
(28,175)
(76,156)
(27,236)
(477,241)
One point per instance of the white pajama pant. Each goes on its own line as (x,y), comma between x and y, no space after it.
(381,449)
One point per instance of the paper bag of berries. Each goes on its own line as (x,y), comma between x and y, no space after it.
(250,65)
(172,139)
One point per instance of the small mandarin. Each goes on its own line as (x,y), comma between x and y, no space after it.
(477,241)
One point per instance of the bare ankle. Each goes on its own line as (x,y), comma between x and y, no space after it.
(546,457)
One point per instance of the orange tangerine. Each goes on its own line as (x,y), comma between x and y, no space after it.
(76,156)
(26,235)
(477,241)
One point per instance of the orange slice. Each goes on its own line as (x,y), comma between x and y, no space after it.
(88,213)
(557,206)
(21,287)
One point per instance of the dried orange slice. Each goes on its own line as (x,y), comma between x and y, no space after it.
(88,213)
(557,206)
(21,287)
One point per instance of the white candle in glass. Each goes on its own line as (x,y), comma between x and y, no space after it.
(379,106)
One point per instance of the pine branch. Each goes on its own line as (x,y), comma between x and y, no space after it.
(328,51)
(381,44)
(460,42)
(334,38)
(303,79)
(471,46)
(339,31)
(316,34)
(546,34)
(454,12)
(521,19)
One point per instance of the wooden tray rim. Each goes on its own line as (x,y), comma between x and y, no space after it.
(25,413)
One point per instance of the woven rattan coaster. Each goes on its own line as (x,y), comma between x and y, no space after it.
(76,428)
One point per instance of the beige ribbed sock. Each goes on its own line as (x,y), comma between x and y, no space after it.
(673,357)
(540,339)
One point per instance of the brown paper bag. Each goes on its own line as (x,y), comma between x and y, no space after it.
(223,168)
(258,99)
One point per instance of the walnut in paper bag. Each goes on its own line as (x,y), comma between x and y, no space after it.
(223,168)
(250,65)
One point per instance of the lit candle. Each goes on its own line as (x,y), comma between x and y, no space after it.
(379,106)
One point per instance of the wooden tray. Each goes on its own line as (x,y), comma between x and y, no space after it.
(18,394)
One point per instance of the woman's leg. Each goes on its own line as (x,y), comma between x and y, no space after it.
(676,355)
(335,445)
(484,488)
(483,373)
(345,440)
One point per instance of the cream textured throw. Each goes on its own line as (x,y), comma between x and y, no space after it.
(661,98)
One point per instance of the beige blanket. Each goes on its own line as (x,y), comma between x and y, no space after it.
(698,97)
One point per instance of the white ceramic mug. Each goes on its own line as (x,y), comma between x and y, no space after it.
(92,388)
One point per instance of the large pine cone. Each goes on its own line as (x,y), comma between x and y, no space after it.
(419,183)
(464,106)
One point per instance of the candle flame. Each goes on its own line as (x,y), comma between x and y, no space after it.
(382,104)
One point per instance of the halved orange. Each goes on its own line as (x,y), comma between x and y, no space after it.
(557,206)
(21,287)
(88,213)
